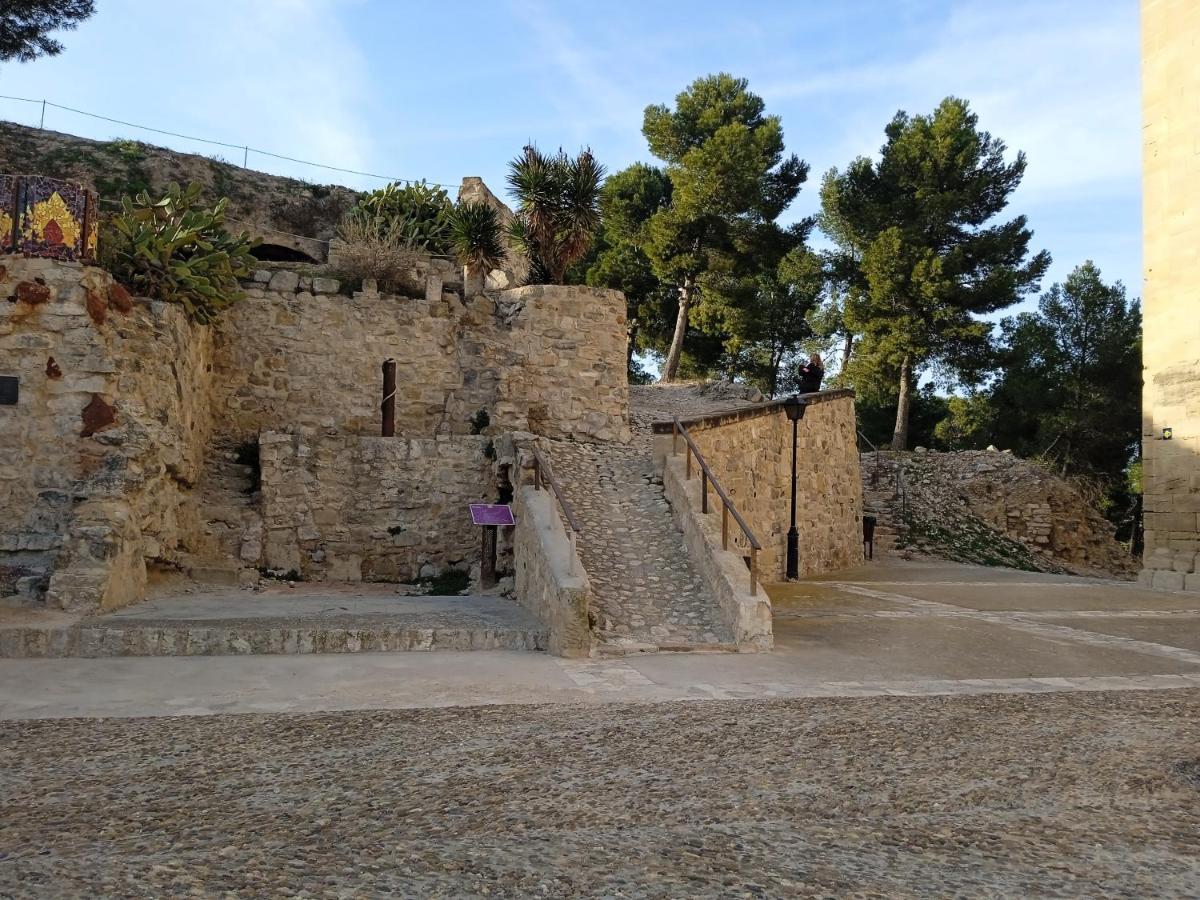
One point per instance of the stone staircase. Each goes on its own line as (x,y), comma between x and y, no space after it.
(882,499)
(647,594)
(229,548)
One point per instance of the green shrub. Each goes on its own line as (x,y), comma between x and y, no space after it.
(476,235)
(420,213)
(177,250)
(373,247)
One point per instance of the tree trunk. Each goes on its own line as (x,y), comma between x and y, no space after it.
(900,435)
(671,367)
(847,348)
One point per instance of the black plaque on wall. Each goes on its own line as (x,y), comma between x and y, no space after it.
(8,390)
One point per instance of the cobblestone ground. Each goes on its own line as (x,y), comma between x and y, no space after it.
(1049,795)
(647,592)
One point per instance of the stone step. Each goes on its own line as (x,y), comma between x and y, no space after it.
(402,624)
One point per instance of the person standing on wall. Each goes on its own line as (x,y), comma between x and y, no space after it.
(811,374)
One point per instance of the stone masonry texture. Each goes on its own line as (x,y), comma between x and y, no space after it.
(544,359)
(349,508)
(1171,295)
(750,452)
(96,495)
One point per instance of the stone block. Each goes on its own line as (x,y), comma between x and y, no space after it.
(1192,582)
(284,282)
(1167,580)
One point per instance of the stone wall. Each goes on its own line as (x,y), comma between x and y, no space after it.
(1171,295)
(349,508)
(549,360)
(749,451)
(107,425)
(747,614)
(549,583)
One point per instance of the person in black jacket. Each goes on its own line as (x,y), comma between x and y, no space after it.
(811,374)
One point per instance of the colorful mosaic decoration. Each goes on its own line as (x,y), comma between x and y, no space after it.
(8,206)
(48,218)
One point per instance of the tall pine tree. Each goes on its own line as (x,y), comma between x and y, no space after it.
(922,253)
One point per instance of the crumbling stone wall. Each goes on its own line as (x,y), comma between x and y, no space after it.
(549,360)
(351,508)
(749,450)
(121,400)
(107,431)
(1171,295)
(993,508)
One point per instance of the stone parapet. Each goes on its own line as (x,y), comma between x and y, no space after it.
(550,580)
(748,615)
(545,359)
(750,451)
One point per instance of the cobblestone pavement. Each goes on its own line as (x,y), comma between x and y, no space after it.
(1005,795)
(648,593)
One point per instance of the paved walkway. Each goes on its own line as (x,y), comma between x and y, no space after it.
(647,592)
(886,629)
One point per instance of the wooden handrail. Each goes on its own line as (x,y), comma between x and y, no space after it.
(543,476)
(728,508)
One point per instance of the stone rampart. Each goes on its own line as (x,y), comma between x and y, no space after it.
(749,451)
(548,360)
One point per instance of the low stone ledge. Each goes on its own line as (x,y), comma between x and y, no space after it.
(751,411)
(725,572)
(544,583)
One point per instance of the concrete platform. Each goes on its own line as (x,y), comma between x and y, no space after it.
(869,632)
(300,620)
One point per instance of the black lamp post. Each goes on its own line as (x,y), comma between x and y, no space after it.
(794,407)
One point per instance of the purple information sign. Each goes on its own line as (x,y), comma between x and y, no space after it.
(491,514)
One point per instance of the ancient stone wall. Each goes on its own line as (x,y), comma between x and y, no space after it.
(749,451)
(351,508)
(549,360)
(1171,295)
(125,403)
(108,429)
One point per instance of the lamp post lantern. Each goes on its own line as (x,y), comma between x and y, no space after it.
(794,407)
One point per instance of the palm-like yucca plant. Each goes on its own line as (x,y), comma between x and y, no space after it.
(558,209)
(475,233)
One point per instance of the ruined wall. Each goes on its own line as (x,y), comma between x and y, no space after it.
(749,451)
(108,430)
(550,360)
(350,508)
(1171,295)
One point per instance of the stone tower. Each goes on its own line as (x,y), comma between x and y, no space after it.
(1171,296)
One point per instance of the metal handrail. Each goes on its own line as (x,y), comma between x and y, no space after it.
(875,450)
(543,477)
(727,505)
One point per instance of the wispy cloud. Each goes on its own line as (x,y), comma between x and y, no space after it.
(582,87)
(1062,88)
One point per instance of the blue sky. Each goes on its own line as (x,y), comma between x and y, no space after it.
(439,91)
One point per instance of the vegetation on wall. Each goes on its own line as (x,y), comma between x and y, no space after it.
(558,210)
(417,213)
(177,250)
(476,236)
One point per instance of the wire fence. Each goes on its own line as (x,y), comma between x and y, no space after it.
(246,149)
